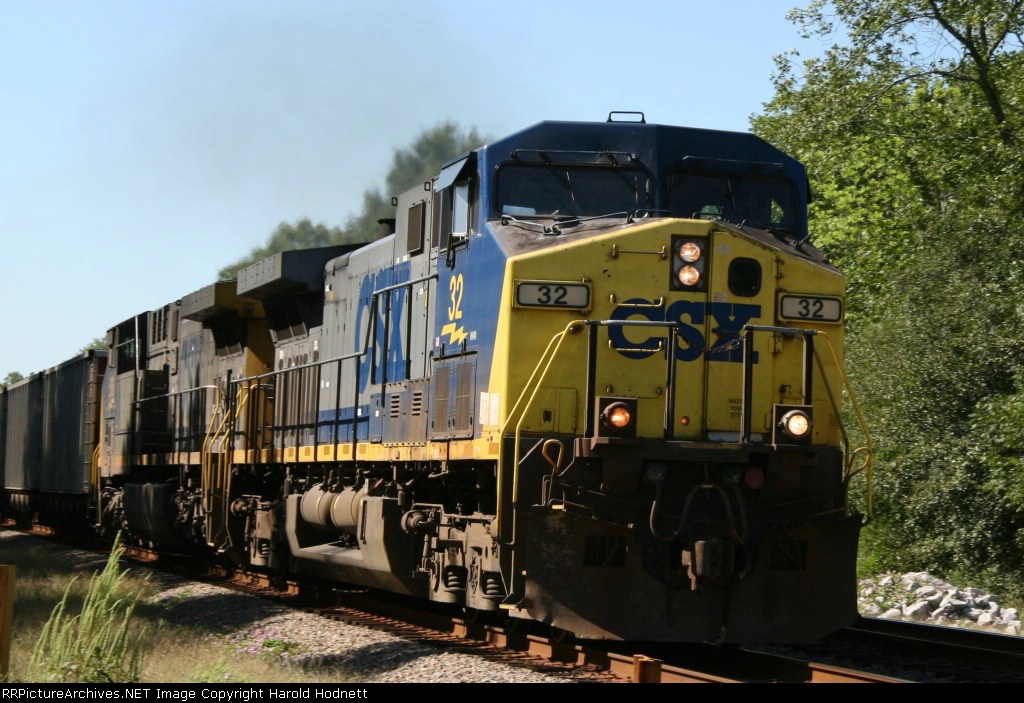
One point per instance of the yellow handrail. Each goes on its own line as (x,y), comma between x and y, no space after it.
(94,478)
(226,458)
(205,462)
(545,361)
(864,454)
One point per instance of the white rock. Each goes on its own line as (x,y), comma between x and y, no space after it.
(935,601)
(926,592)
(973,613)
(918,611)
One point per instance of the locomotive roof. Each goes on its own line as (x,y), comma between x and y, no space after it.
(658,146)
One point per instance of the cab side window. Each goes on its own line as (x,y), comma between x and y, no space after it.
(453,219)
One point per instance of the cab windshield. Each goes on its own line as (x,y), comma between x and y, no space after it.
(769,203)
(553,190)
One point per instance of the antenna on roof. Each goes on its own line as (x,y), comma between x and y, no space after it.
(626,112)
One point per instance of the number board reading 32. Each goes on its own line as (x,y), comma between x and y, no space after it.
(552,294)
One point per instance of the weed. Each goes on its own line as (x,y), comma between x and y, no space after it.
(94,646)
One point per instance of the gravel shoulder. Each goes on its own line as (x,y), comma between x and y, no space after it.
(249,623)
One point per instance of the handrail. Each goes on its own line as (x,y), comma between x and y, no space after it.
(140,401)
(205,461)
(545,361)
(864,454)
(533,384)
(866,465)
(550,351)
(370,333)
(225,459)
(216,469)
(94,477)
(353,355)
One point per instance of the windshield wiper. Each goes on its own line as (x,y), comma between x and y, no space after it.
(541,227)
(569,221)
(563,179)
(618,169)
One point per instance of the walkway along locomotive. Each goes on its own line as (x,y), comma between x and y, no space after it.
(590,377)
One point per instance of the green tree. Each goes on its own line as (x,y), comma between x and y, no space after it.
(417,163)
(12,377)
(301,235)
(96,343)
(414,164)
(909,126)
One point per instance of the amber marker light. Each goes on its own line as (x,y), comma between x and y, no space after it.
(684,421)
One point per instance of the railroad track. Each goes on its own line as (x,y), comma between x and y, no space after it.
(872,651)
(937,654)
(592,661)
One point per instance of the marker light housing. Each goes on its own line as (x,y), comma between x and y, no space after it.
(689,263)
(793,424)
(615,417)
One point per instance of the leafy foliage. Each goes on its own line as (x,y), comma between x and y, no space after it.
(910,130)
(96,343)
(301,235)
(414,164)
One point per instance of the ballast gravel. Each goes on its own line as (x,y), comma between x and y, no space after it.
(263,627)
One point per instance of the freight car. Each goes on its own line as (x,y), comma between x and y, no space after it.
(49,439)
(590,375)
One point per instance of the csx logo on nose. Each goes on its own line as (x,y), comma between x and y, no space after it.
(729,319)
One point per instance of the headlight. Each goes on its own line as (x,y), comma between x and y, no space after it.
(689,251)
(689,263)
(615,417)
(796,424)
(689,276)
(618,415)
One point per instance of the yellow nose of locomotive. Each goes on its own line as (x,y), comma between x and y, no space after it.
(676,295)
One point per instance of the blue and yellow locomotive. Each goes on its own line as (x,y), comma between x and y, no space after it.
(590,376)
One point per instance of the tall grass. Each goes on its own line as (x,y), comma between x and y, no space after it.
(170,651)
(94,646)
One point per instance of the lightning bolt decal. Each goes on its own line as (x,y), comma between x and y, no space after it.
(456,335)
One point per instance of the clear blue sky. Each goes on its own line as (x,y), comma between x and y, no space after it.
(145,145)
